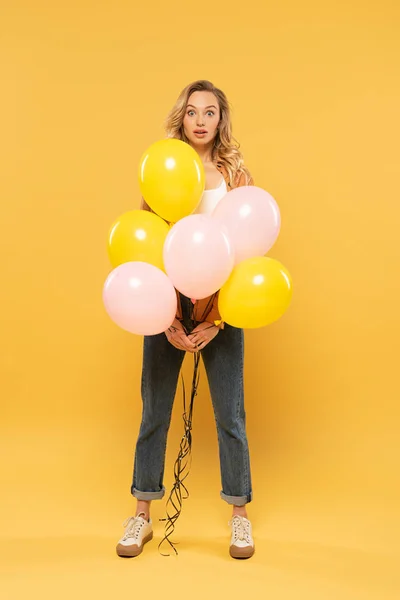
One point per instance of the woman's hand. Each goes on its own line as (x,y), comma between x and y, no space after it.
(203,334)
(176,335)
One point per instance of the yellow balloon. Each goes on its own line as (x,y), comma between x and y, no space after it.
(171,179)
(256,294)
(137,235)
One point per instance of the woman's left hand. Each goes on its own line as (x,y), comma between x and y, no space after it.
(203,334)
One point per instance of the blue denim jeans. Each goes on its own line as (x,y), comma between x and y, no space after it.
(223,360)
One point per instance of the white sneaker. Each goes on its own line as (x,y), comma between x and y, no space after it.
(138,531)
(242,543)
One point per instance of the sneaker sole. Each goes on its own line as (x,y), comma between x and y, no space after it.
(236,552)
(134,549)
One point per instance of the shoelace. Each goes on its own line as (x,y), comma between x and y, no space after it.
(133,525)
(241,528)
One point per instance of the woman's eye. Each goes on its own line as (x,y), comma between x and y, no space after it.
(209,112)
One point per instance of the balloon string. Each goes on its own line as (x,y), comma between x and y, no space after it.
(176,498)
(207,308)
(185,451)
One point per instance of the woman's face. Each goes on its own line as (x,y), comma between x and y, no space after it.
(201,118)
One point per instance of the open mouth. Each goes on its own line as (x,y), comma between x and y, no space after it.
(200,131)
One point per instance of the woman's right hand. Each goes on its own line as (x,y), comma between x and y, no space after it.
(177,337)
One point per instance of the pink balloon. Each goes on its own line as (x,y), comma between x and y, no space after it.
(198,256)
(140,298)
(252,218)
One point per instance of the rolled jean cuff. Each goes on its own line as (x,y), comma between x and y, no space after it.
(148,495)
(237,500)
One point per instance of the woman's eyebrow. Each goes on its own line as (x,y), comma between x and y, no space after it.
(210,106)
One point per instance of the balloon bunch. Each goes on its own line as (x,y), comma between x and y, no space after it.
(156,253)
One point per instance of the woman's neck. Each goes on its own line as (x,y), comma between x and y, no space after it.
(205,153)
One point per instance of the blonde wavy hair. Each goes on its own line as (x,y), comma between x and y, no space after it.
(226,148)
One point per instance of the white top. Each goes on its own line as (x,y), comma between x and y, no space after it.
(210,199)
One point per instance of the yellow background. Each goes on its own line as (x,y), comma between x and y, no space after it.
(85,87)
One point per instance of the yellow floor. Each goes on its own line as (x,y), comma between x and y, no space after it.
(286,565)
(318,536)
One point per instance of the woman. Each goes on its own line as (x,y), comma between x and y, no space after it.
(201,118)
